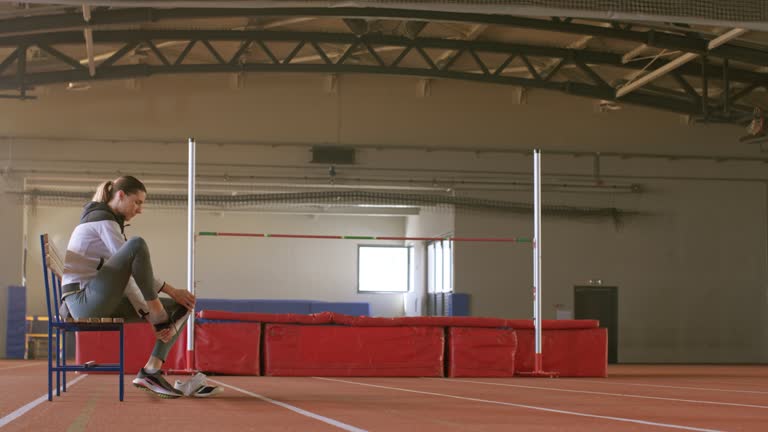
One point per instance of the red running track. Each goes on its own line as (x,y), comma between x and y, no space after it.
(632,398)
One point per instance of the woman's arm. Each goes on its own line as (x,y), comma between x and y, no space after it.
(180,296)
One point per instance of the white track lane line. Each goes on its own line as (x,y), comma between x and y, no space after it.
(604,393)
(22,366)
(531,407)
(298,410)
(675,387)
(26,408)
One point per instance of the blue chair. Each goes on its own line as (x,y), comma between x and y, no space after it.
(53,266)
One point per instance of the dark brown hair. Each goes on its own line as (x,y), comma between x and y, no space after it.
(127,184)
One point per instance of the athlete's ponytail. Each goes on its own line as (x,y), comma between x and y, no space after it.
(103,192)
(127,184)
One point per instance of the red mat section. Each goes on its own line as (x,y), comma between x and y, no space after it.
(364,321)
(553,324)
(102,347)
(296,350)
(230,348)
(481,352)
(435,321)
(571,353)
(318,318)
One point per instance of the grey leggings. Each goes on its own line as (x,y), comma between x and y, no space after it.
(103,296)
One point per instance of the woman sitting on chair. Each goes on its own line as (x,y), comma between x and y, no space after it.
(107,275)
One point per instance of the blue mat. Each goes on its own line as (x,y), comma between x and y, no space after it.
(16,326)
(347,308)
(283,306)
(254,305)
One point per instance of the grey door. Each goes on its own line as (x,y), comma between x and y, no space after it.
(600,303)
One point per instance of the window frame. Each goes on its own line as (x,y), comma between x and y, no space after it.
(439,272)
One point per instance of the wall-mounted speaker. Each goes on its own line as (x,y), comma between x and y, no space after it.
(333,155)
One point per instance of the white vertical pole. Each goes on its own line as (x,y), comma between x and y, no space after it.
(191,250)
(537,257)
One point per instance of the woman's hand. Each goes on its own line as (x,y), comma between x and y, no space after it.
(180,296)
(165,335)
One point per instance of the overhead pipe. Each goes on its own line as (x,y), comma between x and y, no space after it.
(88,34)
(378,147)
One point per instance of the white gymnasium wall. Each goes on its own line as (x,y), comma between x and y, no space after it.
(241,268)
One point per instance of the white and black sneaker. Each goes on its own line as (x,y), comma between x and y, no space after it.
(197,386)
(155,383)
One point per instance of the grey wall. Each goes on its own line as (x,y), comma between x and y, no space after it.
(690,268)
(365,110)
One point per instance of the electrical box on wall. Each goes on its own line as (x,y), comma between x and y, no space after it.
(333,155)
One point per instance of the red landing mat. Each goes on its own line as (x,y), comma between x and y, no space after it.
(570,353)
(481,352)
(296,350)
(228,347)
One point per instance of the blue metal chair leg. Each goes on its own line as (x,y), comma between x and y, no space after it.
(58,362)
(122,364)
(50,363)
(64,360)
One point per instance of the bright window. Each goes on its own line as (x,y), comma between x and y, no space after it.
(383,268)
(440,267)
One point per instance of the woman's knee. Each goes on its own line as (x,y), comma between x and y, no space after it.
(138,244)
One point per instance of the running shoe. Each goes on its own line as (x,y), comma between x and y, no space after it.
(197,386)
(155,383)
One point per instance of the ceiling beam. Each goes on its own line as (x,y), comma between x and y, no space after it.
(584,59)
(633,53)
(130,71)
(654,38)
(472,34)
(676,63)
(590,57)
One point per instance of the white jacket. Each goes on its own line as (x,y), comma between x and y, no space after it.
(94,241)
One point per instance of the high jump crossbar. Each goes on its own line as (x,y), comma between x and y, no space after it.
(358,237)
